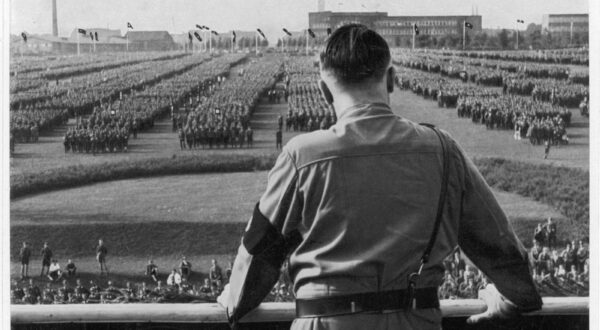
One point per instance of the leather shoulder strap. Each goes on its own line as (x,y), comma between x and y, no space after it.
(444,191)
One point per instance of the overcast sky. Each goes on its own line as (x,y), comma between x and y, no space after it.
(176,16)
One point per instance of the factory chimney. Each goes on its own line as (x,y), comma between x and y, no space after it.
(54,19)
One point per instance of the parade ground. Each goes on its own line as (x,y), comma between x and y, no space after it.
(202,216)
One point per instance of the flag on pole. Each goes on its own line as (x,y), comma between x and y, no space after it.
(205,27)
(190,36)
(92,36)
(328,31)
(261,33)
(24,36)
(468,25)
(199,27)
(96,35)
(197,36)
(82,31)
(214,32)
(129,26)
(416,28)
(287,32)
(311,33)
(520,21)
(234,36)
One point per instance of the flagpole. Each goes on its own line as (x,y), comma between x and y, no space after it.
(464,34)
(94,42)
(306,42)
(414,35)
(78,51)
(210,41)
(256,43)
(517,32)
(127,37)
(571,35)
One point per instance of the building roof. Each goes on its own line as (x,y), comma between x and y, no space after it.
(134,36)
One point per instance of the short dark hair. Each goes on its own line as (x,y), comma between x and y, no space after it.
(355,53)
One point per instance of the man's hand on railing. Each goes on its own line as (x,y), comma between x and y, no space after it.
(498,307)
(223,299)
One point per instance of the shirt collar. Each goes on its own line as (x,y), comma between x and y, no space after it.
(365,110)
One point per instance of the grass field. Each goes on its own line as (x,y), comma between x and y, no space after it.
(203,216)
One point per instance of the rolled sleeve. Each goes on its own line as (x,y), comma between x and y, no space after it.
(489,241)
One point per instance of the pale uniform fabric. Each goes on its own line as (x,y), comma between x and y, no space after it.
(363,196)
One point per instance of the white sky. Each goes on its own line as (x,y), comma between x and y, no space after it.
(176,16)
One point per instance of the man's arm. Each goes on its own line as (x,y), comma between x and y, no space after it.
(490,242)
(267,240)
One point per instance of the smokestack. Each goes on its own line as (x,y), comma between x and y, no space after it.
(54,19)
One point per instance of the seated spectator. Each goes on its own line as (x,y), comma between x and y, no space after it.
(70,268)
(54,272)
(206,288)
(174,278)
(152,270)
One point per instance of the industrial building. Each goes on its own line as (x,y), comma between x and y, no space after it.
(395,29)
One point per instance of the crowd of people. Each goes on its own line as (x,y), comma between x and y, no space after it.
(219,114)
(536,121)
(307,110)
(556,272)
(548,83)
(57,285)
(52,103)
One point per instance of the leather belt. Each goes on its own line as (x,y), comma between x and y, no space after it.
(367,302)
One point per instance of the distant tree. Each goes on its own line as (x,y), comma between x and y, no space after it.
(503,39)
(535,39)
(492,42)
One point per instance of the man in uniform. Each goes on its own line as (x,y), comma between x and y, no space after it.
(24,255)
(101,252)
(356,205)
(278,140)
(46,254)
(551,233)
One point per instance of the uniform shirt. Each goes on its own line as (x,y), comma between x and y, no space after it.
(363,197)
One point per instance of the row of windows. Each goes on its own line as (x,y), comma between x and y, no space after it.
(419,23)
(568,19)
(394,32)
(568,24)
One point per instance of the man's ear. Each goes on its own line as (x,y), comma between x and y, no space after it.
(391,75)
(325,92)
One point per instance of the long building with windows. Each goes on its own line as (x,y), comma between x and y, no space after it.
(395,29)
(566,23)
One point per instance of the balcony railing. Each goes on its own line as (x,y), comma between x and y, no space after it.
(570,311)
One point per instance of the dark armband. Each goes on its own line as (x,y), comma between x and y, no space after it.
(269,249)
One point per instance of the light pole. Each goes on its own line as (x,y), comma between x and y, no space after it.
(519,21)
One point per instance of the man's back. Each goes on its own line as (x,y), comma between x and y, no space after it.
(379,217)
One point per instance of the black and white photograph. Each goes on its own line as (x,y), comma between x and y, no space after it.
(319,164)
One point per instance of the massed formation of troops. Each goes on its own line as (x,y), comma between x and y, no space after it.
(539,122)
(307,110)
(219,115)
(104,131)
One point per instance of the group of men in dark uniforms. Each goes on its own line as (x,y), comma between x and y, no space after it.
(204,136)
(536,121)
(103,131)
